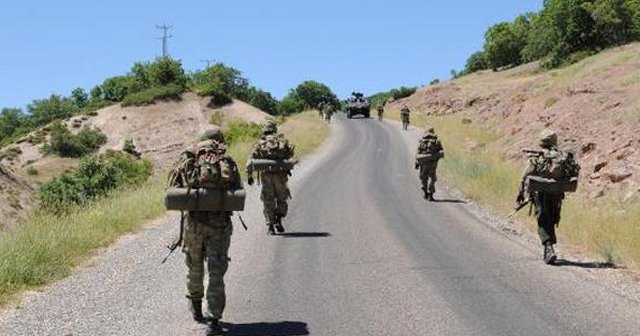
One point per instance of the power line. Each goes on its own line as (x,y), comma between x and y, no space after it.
(164,38)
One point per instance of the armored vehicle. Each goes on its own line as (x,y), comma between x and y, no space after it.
(358,104)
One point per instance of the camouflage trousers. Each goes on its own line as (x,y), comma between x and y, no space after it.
(428,177)
(207,236)
(548,207)
(405,121)
(274,196)
(380,116)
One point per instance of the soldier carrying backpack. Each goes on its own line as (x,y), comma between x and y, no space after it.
(272,159)
(205,183)
(551,172)
(430,151)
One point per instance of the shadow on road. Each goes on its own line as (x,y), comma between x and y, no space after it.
(563,262)
(305,234)
(445,200)
(285,328)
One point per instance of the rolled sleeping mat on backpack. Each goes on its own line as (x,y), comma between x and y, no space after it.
(266,165)
(429,157)
(551,186)
(202,199)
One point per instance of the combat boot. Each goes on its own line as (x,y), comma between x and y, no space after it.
(196,310)
(270,230)
(278,226)
(430,197)
(549,254)
(214,328)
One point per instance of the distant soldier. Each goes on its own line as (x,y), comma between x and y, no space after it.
(327,112)
(404,116)
(207,234)
(275,192)
(430,151)
(380,110)
(553,167)
(320,109)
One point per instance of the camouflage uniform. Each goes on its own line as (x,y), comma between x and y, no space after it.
(428,170)
(547,205)
(404,116)
(275,191)
(327,110)
(207,235)
(380,112)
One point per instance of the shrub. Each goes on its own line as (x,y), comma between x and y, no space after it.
(129,147)
(65,144)
(150,96)
(217,94)
(94,177)
(32,171)
(241,130)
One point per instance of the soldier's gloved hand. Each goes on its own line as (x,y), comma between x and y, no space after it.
(417,166)
(250,180)
(520,197)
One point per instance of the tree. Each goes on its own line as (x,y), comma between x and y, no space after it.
(476,62)
(163,71)
(225,79)
(11,119)
(96,93)
(291,104)
(263,100)
(312,93)
(54,108)
(504,43)
(80,97)
(116,88)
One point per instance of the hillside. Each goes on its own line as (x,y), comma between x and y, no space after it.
(159,131)
(594,106)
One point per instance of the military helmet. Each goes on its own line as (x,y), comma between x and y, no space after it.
(214,133)
(548,138)
(430,130)
(269,127)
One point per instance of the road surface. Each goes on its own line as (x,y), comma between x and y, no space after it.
(364,255)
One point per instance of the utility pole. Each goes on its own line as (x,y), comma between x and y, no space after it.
(208,61)
(164,38)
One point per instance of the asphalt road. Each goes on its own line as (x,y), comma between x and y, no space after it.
(364,255)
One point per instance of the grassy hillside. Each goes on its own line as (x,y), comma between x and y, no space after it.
(485,119)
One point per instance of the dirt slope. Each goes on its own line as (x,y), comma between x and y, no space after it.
(159,131)
(594,105)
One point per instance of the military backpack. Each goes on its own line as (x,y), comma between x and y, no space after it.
(274,147)
(205,166)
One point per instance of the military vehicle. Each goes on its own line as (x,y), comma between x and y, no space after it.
(358,104)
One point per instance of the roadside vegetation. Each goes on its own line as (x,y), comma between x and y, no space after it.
(115,198)
(562,33)
(474,163)
(395,94)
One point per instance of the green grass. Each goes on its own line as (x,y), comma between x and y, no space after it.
(45,248)
(151,95)
(607,226)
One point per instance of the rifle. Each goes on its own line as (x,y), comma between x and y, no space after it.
(178,242)
(533,153)
(518,207)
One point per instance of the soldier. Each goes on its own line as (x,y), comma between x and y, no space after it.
(207,234)
(547,204)
(380,110)
(430,151)
(404,116)
(327,112)
(320,109)
(275,192)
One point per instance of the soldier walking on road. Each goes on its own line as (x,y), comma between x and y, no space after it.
(328,112)
(207,234)
(380,110)
(404,116)
(275,192)
(554,165)
(430,151)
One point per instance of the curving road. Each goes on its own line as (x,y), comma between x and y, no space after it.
(365,255)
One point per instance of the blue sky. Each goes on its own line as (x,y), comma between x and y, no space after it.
(54,46)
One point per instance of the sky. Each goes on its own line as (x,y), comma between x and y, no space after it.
(52,47)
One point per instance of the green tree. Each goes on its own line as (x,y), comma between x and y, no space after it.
(116,88)
(96,93)
(226,80)
(504,44)
(263,100)
(476,62)
(291,104)
(55,107)
(163,71)
(11,119)
(311,93)
(80,97)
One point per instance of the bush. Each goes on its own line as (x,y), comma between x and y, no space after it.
(129,147)
(65,144)
(32,171)
(93,178)
(217,94)
(149,96)
(241,130)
